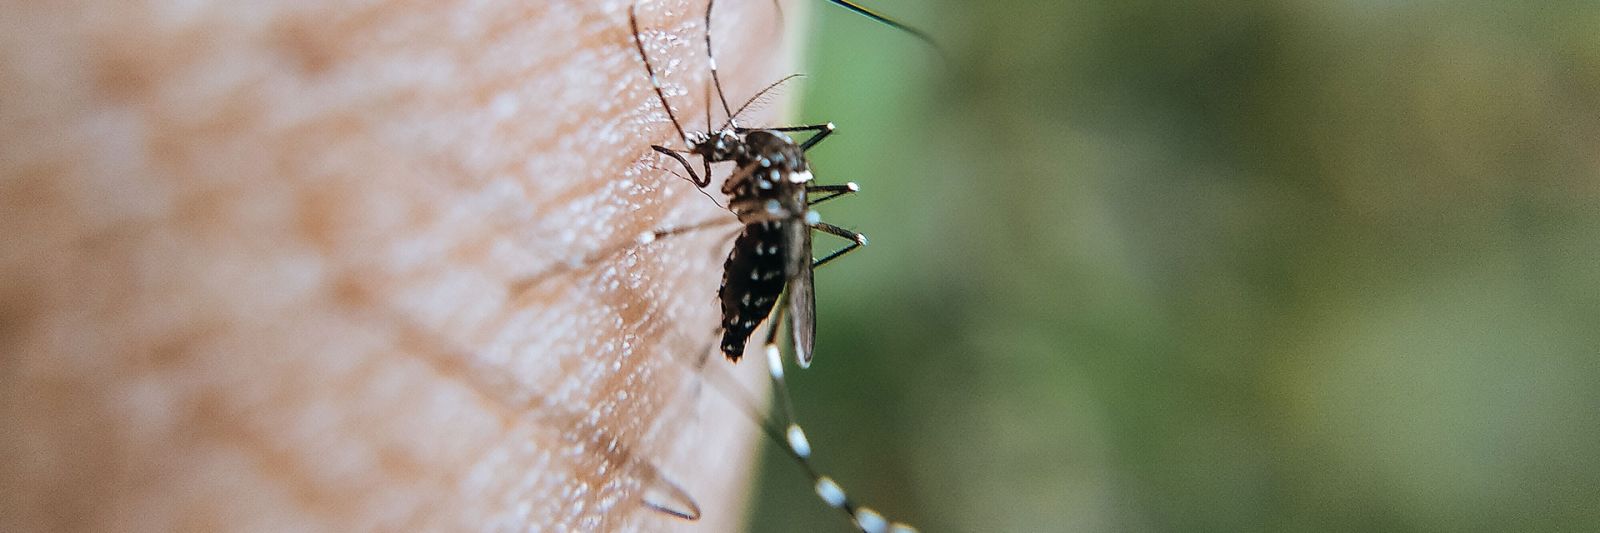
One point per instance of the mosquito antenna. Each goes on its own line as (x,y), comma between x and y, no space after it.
(711,59)
(881,19)
(758,96)
(655,83)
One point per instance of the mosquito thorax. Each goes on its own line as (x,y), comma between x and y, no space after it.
(769,149)
(774,167)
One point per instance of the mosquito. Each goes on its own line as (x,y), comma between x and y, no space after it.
(769,271)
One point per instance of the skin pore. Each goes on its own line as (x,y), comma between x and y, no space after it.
(322,266)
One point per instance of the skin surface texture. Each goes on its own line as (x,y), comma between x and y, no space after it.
(333,266)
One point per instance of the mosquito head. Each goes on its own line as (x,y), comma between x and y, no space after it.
(722,145)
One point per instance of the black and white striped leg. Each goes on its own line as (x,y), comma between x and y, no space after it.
(857,240)
(597,257)
(797,447)
(711,60)
(822,132)
(699,179)
(832,191)
(654,235)
(655,83)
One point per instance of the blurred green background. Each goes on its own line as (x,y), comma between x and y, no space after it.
(1223,266)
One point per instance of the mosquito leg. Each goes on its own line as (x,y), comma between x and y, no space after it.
(711,60)
(919,34)
(780,388)
(659,234)
(857,240)
(822,132)
(799,448)
(780,425)
(655,83)
(821,129)
(641,240)
(832,191)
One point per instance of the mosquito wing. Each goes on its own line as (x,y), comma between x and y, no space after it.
(802,297)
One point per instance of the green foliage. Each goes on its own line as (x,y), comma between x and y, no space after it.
(1228,266)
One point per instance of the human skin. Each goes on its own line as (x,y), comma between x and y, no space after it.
(361,266)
